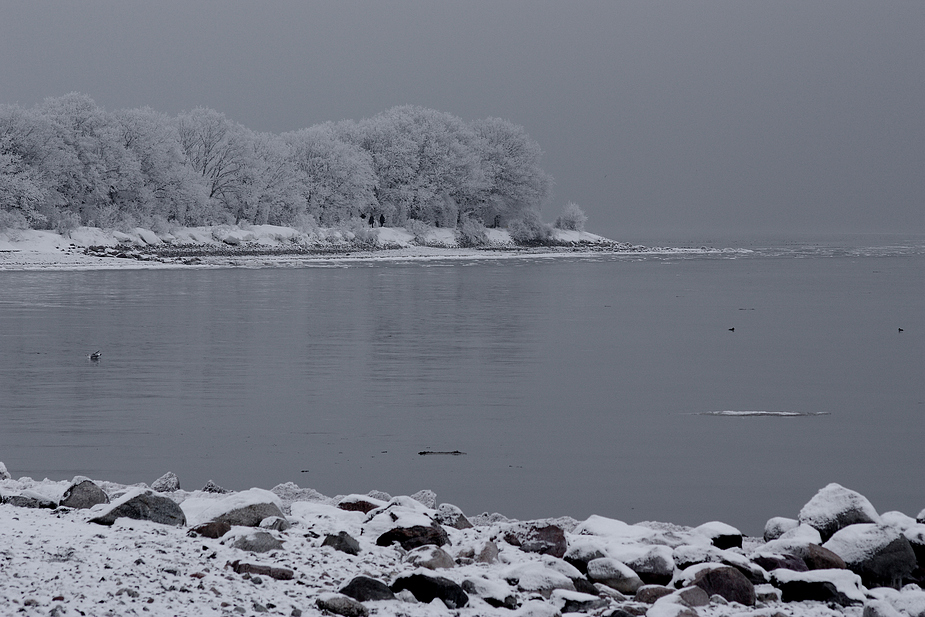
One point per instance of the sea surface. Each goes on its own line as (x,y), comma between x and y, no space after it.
(572,385)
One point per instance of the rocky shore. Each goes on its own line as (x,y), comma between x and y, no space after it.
(88,248)
(89,547)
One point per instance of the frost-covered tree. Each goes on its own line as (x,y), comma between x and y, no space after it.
(572,218)
(516,183)
(217,150)
(426,163)
(170,190)
(83,159)
(22,192)
(335,177)
(269,188)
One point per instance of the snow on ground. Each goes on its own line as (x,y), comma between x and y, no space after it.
(56,562)
(269,245)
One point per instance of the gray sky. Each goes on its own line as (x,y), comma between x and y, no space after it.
(656,117)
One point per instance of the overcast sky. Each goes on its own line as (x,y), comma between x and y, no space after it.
(655,117)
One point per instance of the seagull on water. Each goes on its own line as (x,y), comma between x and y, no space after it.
(95,356)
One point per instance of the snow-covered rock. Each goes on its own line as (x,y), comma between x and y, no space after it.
(721,535)
(614,574)
(140,504)
(841,586)
(834,507)
(880,554)
(777,526)
(246,508)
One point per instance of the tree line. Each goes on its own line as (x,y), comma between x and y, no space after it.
(68,162)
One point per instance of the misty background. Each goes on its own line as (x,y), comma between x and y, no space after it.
(657,118)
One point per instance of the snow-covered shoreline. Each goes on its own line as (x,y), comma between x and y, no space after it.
(90,248)
(89,548)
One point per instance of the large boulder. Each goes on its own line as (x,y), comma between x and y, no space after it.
(252,540)
(425,588)
(727,582)
(778,526)
(654,565)
(246,508)
(835,507)
(414,536)
(145,505)
(359,503)
(880,554)
(449,515)
(532,576)
(364,589)
(615,574)
(340,604)
(839,586)
(538,537)
(772,561)
(4,474)
(494,593)
(430,557)
(721,535)
(818,558)
(343,542)
(83,494)
(167,483)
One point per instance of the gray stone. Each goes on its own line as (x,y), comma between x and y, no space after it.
(83,495)
(778,526)
(449,515)
(212,529)
(818,558)
(4,474)
(414,536)
(582,552)
(614,574)
(167,483)
(773,562)
(257,542)
(426,497)
(727,582)
(879,554)
(280,574)
(494,593)
(212,487)
(144,505)
(430,557)
(275,523)
(29,499)
(251,515)
(541,538)
(343,542)
(835,507)
(341,605)
(365,589)
(426,588)
(692,596)
(648,594)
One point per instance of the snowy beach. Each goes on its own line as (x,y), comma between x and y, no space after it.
(88,248)
(99,548)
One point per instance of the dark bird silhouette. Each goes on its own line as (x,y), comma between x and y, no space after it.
(732,329)
(95,356)
(900,329)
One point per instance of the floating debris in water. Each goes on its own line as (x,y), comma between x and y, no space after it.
(786,414)
(453,453)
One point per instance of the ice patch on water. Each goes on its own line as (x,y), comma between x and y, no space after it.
(786,414)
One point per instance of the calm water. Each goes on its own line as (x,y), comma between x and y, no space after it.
(574,385)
